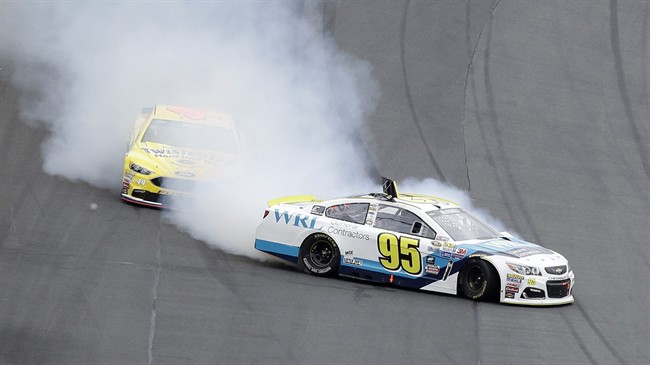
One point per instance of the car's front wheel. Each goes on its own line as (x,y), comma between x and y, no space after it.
(479,280)
(319,255)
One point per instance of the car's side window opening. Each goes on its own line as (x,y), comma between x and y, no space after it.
(403,221)
(350,212)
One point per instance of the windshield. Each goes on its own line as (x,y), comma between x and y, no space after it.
(460,225)
(191,135)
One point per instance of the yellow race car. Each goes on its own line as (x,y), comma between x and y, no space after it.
(173,148)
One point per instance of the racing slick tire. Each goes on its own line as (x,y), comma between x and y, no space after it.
(479,281)
(319,255)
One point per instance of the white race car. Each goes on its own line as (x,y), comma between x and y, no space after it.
(415,241)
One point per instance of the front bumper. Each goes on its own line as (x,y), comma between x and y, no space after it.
(537,290)
(141,190)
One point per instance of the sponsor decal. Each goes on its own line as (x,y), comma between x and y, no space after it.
(370,218)
(515,248)
(447,250)
(459,253)
(561,277)
(526,251)
(510,295)
(185,174)
(317,210)
(431,260)
(349,258)
(344,224)
(186,155)
(174,193)
(297,220)
(514,278)
(347,233)
(448,247)
(353,261)
(188,163)
(141,182)
(532,282)
(432,269)
(512,288)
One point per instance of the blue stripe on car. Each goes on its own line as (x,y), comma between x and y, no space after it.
(281,250)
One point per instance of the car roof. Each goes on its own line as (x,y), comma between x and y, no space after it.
(424,203)
(192,115)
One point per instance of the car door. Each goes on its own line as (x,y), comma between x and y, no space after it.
(346,224)
(402,240)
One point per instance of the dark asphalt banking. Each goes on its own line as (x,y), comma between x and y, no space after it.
(539,109)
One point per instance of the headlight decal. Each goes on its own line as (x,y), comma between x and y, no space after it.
(524,270)
(139,169)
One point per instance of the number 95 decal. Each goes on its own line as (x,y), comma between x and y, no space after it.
(399,252)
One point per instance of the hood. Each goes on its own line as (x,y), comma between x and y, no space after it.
(188,163)
(511,247)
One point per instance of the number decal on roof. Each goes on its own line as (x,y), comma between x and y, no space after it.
(399,252)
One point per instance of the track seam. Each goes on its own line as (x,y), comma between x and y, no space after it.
(407,90)
(471,53)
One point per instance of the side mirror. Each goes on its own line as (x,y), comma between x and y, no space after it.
(505,234)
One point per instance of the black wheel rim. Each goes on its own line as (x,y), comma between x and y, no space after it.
(321,253)
(475,278)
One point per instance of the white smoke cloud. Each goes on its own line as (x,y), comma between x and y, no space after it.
(298,99)
(436,188)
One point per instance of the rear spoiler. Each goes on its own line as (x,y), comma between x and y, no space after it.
(390,188)
(294,199)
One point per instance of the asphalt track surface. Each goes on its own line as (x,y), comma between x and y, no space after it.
(540,110)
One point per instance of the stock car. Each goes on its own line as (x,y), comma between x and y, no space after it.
(174,148)
(416,241)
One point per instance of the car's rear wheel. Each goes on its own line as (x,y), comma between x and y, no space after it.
(319,255)
(479,280)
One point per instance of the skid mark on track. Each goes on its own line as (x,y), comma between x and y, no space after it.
(598,333)
(576,335)
(506,178)
(154,299)
(622,83)
(409,98)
